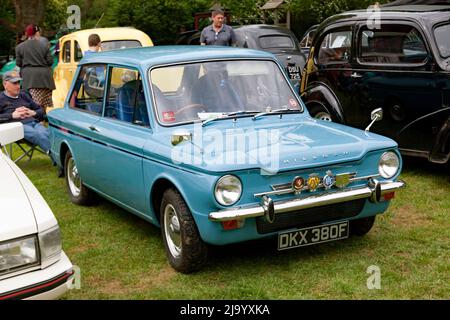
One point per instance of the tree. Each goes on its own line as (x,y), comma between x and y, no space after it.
(28,11)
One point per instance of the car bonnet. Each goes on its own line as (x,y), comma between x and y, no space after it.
(16,214)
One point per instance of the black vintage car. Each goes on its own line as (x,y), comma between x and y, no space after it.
(275,39)
(397,59)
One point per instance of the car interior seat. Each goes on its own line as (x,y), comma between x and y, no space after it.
(131,106)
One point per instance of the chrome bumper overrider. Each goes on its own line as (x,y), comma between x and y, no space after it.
(373,192)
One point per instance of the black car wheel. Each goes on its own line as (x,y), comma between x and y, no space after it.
(362,226)
(185,250)
(78,192)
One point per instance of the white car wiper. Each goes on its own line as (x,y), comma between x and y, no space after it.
(276,111)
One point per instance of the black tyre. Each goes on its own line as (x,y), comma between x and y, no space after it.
(78,192)
(185,250)
(361,226)
(321,112)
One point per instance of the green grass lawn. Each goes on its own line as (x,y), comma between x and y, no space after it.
(122,256)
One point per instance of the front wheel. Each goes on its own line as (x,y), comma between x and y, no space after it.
(78,192)
(185,250)
(362,226)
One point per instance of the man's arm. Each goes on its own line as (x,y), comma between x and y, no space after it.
(202,38)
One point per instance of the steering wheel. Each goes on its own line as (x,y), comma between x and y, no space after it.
(189,108)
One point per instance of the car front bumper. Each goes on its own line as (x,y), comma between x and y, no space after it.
(46,284)
(373,191)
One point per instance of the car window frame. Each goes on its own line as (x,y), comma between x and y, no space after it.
(318,39)
(109,75)
(435,26)
(361,27)
(63,51)
(72,87)
(156,66)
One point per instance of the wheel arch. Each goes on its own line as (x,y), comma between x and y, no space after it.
(321,94)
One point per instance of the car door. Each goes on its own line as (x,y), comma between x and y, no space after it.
(394,70)
(85,109)
(121,134)
(64,72)
(333,61)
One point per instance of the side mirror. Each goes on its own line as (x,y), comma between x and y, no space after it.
(180,136)
(10,132)
(375,116)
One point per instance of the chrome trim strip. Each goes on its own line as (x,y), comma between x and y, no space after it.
(305,203)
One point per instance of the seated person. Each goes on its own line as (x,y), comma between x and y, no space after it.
(215,91)
(16,105)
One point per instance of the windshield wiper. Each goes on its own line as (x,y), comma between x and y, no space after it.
(276,111)
(227,115)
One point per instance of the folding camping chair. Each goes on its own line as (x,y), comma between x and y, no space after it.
(26,147)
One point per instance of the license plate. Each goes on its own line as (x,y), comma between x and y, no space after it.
(312,235)
(294,72)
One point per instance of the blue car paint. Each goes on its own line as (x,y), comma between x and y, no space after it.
(140,156)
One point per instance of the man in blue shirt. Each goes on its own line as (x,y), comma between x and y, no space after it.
(16,105)
(218,33)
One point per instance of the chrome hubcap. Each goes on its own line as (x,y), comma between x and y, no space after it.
(323,116)
(172,230)
(73,178)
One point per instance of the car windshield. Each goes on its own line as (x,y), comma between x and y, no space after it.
(120,44)
(278,41)
(202,91)
(443,40)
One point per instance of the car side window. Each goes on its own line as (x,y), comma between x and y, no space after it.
(66,52)
(126,99)
(335,47)
(78,52)
(392,44)
(88,90)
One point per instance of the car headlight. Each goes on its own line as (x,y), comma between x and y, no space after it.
(388,165)
(228,190)
(17,254)
(50,246)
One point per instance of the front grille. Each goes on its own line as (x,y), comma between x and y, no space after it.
(311,216)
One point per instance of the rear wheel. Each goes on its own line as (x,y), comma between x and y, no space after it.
(362,226)
(185,250)
(78,192)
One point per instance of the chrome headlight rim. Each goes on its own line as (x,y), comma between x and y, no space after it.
(220,199)
(383,167)
(18,267)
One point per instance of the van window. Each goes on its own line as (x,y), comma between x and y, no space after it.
(89,87)
(335,48)
(443,40)
(78,53)
(66,52)
(392,44)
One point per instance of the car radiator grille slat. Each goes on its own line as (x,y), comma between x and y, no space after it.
(311,216)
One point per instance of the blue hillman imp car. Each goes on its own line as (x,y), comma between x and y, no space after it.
(213,145)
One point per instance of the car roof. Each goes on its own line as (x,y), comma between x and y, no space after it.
(263,29)
(108,34)
(429,13)
(150,56)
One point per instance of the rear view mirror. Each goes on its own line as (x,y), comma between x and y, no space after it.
(10,133)
(375,115)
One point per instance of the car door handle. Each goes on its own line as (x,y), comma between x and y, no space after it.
(356,75)
(92,128)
